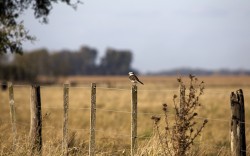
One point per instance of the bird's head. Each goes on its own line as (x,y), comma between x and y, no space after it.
(130,73)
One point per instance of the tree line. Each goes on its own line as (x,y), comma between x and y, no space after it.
(41,62)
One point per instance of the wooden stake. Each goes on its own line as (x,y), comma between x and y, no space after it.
(134,120)
(238,137)
(92,120)
(65,118)
(36,120)
(12,113)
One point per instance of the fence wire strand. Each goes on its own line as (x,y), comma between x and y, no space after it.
(121,89)
(145,113)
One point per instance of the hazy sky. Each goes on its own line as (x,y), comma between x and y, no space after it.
(162,34)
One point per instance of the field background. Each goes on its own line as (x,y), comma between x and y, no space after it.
(113,113)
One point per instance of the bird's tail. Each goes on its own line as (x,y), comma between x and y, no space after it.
(140,82)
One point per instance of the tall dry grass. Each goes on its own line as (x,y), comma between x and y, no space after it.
(113,115)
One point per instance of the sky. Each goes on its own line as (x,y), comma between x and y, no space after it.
(162,34)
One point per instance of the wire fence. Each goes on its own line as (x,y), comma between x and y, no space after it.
(118,133)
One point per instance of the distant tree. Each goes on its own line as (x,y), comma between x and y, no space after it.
(37,62)
(61,64)
(80,62)
(13,32)
(86,61)
(12,72)
(116,62)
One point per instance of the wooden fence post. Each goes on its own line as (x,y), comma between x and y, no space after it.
(65,118)
(92,120)
(238,137)
(134,120)
(36,120)
(12,113)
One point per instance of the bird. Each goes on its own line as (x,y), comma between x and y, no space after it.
(133,78)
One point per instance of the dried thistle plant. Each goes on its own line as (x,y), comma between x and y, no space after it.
(180,135)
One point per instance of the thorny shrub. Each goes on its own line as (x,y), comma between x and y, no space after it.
(179,135)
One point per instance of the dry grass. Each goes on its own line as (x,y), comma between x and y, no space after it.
(113,117)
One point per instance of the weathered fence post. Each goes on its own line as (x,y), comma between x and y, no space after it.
(12,112)
(134,120)
(92,120)
(65,118)
(238,137)
(36,120)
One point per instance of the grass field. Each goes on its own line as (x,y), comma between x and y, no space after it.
(113,114)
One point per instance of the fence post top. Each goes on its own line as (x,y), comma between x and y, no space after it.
(35,86)
(93,85)
(66,85)
(240,91)
(134,86)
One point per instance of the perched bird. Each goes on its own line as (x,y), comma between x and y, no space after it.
(133,78)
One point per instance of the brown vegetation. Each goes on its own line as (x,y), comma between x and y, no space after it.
(113,115)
